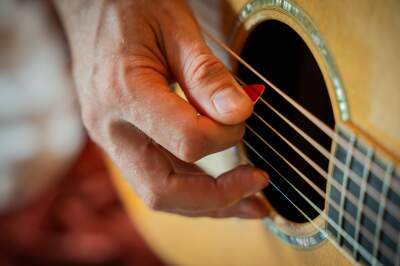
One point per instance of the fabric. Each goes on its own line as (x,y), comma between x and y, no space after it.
(78,221)
(40,127)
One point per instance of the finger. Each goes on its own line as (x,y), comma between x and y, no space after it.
(203,193)
(208,194)
(152,175)
(169,120)
(205,80)
(253,207)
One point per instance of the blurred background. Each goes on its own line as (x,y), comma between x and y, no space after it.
(57,203)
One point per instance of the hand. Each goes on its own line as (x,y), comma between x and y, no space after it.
(126,54)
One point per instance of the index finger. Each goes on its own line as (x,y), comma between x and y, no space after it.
(170,121)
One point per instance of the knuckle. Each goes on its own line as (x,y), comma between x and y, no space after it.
(191,145)
(203,67)
(90,119)
(224,199)
(153,200)
(97,124)
(154,203)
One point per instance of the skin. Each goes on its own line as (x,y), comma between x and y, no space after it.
(125,56)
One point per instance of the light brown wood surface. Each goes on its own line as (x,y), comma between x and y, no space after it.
(203,241)
(364,39)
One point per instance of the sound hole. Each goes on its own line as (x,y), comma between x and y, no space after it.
(280,54)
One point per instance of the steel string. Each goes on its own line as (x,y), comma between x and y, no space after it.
(366,254)
(375,168)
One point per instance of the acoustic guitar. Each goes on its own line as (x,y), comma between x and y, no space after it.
(326,129)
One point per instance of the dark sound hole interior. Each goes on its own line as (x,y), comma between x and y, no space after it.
(279,53)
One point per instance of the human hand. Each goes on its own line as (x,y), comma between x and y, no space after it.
(126,54)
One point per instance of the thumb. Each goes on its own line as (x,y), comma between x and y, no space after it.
(207,83)
(211,88)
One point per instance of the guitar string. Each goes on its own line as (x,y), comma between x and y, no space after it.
(368,211)
(323,195)
(389,230)
(321,125)
(373,191)
(316,167)
(375,168)
(322,150)
(339,230)
(395,210)
(366,254)
(391,208)
(398,252)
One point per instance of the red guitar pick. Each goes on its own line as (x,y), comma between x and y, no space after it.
(254,91)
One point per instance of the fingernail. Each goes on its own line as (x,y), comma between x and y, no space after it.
(228,100)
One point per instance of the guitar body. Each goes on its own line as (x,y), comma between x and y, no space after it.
(356,47)
(203,241)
